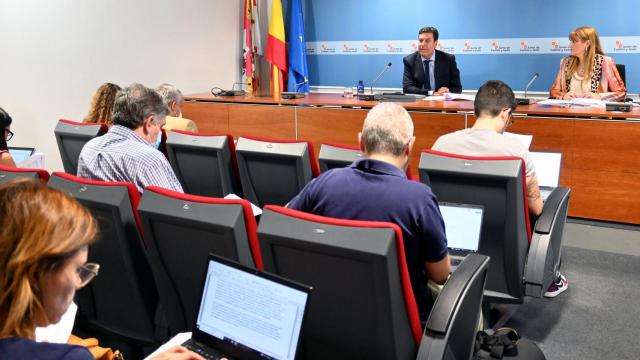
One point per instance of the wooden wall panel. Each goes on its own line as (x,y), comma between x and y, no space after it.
(210,117)
(276,122)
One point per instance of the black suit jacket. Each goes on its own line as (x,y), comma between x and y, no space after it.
(445,72)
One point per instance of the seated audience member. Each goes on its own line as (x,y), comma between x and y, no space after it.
(429,71)
(587,72)
(102,105)
(493,107)
(5,125)
(44,237)
(129,150)
(173,98)
(376,188)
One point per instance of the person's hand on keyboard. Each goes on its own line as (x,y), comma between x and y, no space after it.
(178,353)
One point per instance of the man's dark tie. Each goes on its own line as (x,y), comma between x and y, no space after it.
(427,83)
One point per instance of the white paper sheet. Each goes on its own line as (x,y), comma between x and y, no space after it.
(524,139)
(256,210)
(35,161)
(58,333)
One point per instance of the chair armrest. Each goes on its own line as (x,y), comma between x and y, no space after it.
(450,307)
(550,210)
(543,258)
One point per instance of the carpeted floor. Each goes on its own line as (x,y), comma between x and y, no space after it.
(598,317)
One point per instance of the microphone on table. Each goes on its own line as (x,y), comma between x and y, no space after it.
(525,100)
(370,97)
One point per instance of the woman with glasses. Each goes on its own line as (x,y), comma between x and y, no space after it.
(587,72)
(44,239)
(5,125)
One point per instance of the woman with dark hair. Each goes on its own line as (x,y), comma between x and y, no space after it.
(44,240)
(587,72)
(5,125)
(102,104)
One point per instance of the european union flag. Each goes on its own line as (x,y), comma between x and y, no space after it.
(298,71)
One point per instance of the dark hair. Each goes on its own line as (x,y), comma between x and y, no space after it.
(492,97)
(5,121)
(136,102)
(429,29)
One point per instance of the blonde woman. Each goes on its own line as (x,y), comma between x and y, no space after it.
(44,236)
(587,72)
(102,104)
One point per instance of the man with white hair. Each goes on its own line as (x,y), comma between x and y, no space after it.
(172,97)
(376,188)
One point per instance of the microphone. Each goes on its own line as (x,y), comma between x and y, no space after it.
(370,97)
(525,100)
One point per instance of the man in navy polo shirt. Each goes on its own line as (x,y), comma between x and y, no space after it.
(376,188)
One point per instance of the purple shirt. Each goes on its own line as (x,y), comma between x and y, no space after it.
(378,191)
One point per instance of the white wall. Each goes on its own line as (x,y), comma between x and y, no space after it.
(55,54)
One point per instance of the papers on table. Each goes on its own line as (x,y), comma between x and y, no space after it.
(454,96)
(524,139)
(256,210)
(583,102)
(176,340)
(58,333)
(450,96)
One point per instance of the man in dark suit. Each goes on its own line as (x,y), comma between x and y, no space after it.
(429,71)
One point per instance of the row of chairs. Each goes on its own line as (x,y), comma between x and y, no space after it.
(263,171)
(154,246)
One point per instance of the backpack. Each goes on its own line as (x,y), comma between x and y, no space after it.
(505,343)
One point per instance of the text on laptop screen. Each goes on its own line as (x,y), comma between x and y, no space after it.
(20,154)
(255,312)
(462,224)
(547,167)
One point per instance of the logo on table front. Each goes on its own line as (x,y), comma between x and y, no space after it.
(347,49)
(326,49)
(621,47)
(369,49)
(495,47)
(310,50)
(393,49)
(468,47)
(525,47)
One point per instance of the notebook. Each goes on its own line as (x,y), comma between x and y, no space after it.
(547,171)
(20,154)
(247,314)
(463,223)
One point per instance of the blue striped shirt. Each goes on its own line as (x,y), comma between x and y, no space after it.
(122,155)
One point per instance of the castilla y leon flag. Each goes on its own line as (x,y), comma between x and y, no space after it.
(276,49)
(252,45)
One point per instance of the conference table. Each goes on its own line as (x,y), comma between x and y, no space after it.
(600,149)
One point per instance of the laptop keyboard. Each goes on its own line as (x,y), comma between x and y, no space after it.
(200,350)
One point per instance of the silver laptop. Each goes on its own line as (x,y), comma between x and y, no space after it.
(20,154)
(463,224)
(547,171)
(247,314)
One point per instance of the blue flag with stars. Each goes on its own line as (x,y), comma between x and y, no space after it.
(298,71)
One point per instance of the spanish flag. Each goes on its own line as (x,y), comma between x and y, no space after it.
(276,49)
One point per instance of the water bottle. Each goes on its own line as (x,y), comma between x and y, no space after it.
(360,87)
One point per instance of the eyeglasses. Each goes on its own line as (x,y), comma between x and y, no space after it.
(8,134)
(87,272)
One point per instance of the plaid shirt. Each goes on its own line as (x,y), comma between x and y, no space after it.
(122,155)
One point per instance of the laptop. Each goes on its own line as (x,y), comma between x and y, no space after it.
(247,314)
(463,224)
(547,171)
(20,154)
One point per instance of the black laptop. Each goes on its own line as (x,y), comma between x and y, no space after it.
(463,225)
(247,314)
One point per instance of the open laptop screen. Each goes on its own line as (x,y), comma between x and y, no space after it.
(547,167)
(257,313)
(462,223)
(20,154)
